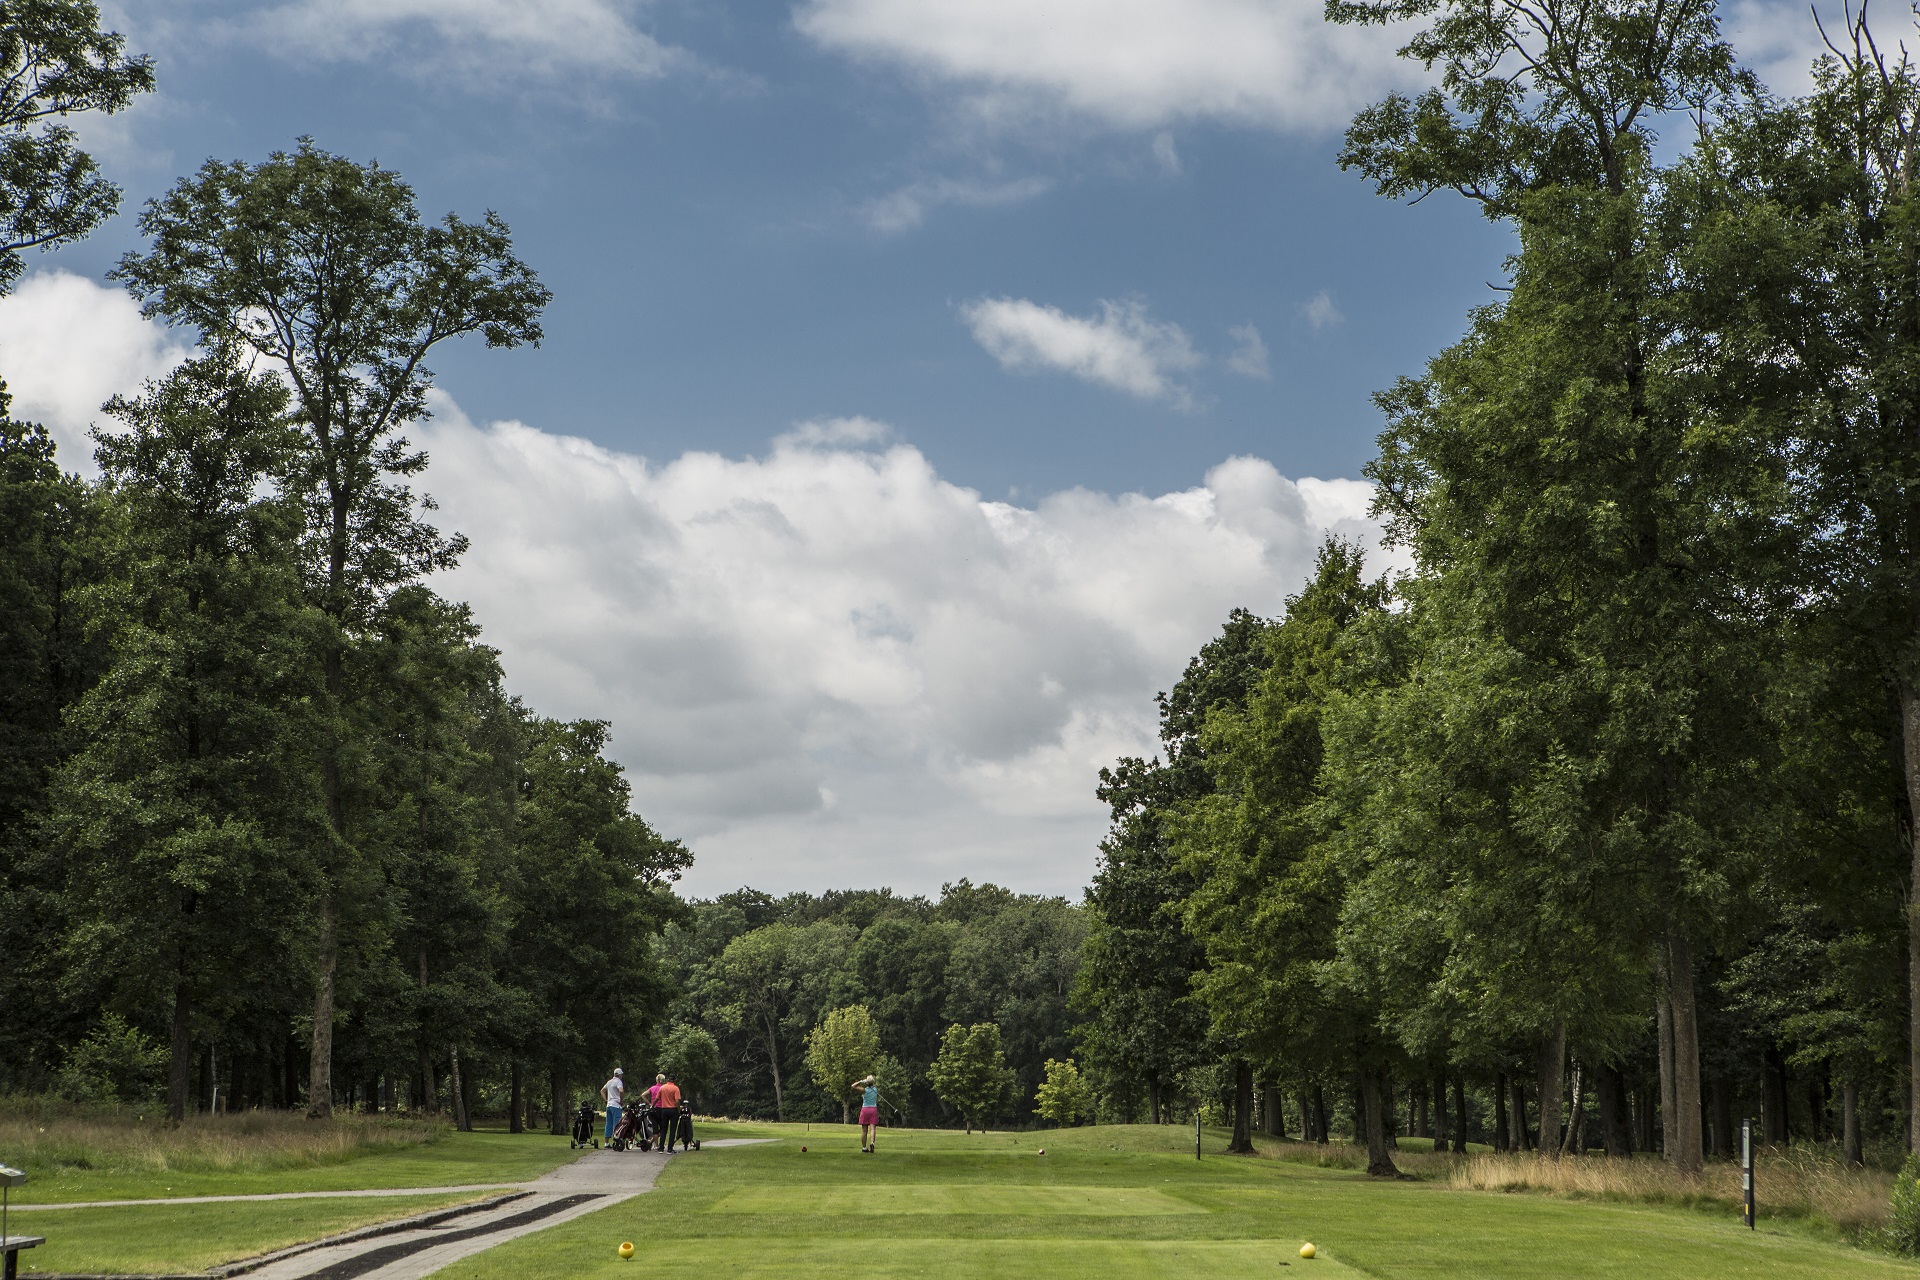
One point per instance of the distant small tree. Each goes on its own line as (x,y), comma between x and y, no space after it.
(971,1073)
(843,1048)
(1063,1096)
(691,1059)
(117,1062)
(896,1085)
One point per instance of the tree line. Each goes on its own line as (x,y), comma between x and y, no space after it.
(1597,828)
(272,832)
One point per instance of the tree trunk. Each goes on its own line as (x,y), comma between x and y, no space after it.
(1273,1112)
(773,1061)
(1361,1108)
(1389,1117)
(429,1086)
(1460,1116)
(460,1120)
(1321,1124)
(1242,1144)
(1664,1029)
(1502,1114)
(1308,1133)
(1153,1101)
(1553,1067)
(1910,766)
(1379,1162)
(1517,1117)
(180,1064)
(1441,1121)
(514,1100)
(326,957)
(558,1121)
(1850,1124)
(1575,1141)
(1722,1098)
(1685,1151)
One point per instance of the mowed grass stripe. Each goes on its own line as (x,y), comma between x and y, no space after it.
(192,1237)
(951,1198)
(1255,1215)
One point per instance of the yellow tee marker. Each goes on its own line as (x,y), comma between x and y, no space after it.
(1307,1250)
(626,1248)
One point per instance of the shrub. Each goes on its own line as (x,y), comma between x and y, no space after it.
(117,1062)
(1902,1232)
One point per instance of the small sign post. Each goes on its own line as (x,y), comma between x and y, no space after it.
(10,1247)
(1746,1169)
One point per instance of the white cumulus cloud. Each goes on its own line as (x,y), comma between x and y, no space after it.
(1119,348)
(836,620)
(67,345)
(825,664)
(1131,63)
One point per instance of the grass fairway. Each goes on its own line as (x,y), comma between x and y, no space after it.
(1121,1203)
(193,1237)
(455,1159)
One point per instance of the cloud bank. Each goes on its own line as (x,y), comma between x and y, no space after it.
(67,345)
(1128,63)
(824,664)
(502,45)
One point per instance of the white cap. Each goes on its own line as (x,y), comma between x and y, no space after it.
(617,1071)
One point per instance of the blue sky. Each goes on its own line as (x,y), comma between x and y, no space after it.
(925,379)
(710,235)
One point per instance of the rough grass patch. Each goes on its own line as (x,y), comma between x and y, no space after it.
(48,1137)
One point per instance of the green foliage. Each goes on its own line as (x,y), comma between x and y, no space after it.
(896,1087)
(1063,1096)
(971,1074)
(116,1062)
(845,1047)
(690,1057)
(1902,1232)
(56,62)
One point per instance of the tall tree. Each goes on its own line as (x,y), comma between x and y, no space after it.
(323,266)
(181,807)
(1544,116)
(51,557)
(1267,886)
(56,62)
(591,892)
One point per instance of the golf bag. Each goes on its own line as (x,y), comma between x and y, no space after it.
(685,1125)
(633,1127)
(583,1126)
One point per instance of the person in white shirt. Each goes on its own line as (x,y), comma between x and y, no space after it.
(613,1091)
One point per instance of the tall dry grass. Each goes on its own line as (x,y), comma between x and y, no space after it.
(51,1138)
(1808,1183)
(1805,1182)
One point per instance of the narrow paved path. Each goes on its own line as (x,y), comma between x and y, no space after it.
(332,1195)
(591,1183)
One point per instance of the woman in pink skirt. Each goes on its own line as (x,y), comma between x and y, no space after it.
(869,1112)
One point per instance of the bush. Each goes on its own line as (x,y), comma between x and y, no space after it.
(1064,1097)
(117,1062)
(1902,1233)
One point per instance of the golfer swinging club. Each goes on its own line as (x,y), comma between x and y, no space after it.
(869,1112)
(613,1090)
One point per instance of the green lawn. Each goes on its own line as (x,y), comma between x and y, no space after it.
(1120,1204)
(458,1159)
(193,1237)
